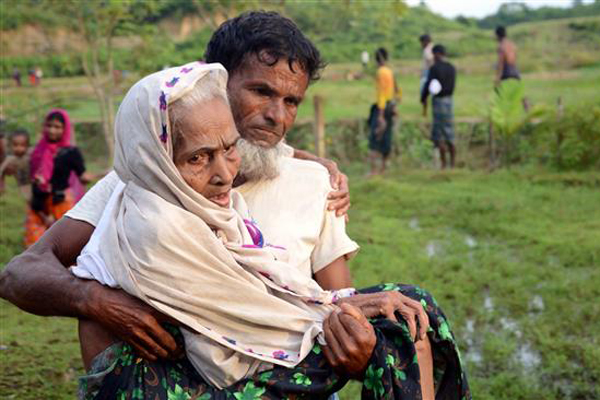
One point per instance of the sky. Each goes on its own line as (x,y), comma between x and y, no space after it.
(481,8)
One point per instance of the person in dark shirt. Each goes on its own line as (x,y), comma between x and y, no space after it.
(440,83)
(57,171)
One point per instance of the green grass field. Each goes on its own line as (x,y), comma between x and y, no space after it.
(513,257)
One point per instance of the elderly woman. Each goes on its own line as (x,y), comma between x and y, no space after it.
(178,237)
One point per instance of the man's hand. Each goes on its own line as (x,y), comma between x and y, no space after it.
(350,340)
(424,109)
(386,304)
(339,199)
(133,321)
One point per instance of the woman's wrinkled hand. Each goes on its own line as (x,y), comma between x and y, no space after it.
(350,341)
(386,304)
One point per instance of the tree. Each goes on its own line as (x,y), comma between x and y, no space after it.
(99,22)
(215,12)
(96,23)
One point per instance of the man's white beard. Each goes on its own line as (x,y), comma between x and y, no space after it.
(258,162)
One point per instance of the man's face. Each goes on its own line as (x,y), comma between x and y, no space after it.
(264,99)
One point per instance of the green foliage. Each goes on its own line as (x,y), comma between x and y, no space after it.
(342,32)
(15,13)
(508,115)
(506,112)
(516,12)
(570,141)
(340,29)
(52,65)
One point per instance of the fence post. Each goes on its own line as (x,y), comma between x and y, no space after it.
(319,127)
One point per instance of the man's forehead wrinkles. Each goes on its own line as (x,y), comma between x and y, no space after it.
(255,70)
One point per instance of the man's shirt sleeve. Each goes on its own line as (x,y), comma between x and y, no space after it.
(90,208)
(333,242)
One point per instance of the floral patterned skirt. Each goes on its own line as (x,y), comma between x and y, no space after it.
(392,371)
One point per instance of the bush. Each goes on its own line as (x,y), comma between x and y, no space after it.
(57,65)
(571,141)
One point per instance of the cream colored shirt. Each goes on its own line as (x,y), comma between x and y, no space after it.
(290,210)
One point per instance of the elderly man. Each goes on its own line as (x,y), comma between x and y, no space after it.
(270,70)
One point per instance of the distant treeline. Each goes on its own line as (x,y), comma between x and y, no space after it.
(517,12)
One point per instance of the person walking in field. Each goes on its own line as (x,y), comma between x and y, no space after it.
(440,83)
(427,46)
(17,77)
(507,58)
(31,75)
(381,118)
(39,74)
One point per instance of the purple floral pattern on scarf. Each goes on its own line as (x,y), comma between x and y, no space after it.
(163,100)
(280,355)
(257,237)
(164,135)
(172,82)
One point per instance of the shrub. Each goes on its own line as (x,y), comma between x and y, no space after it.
(570,141)
(57,65)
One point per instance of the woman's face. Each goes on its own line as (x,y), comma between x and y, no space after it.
(54,129)
(206,155)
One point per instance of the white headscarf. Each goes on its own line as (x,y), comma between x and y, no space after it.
(195,261)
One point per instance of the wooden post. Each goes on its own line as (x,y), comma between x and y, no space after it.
(319,127)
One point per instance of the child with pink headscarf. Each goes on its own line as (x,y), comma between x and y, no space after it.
(57,174)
